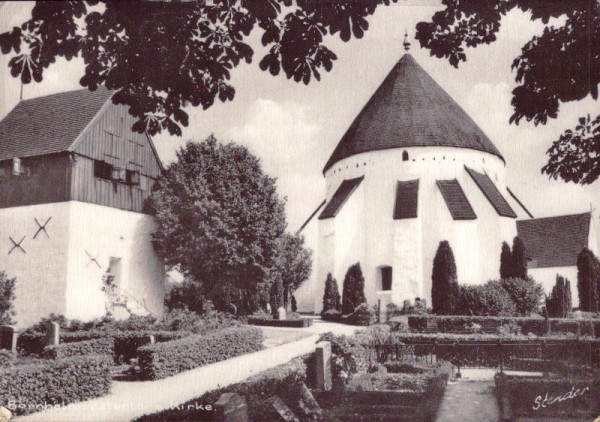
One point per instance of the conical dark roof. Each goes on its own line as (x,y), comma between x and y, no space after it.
(410,109)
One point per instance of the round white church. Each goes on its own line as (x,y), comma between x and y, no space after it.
(412,170)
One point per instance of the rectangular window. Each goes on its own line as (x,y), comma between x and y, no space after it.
(103,170)
(132,177)
(386,278)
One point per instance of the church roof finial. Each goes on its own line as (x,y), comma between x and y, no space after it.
(406,43)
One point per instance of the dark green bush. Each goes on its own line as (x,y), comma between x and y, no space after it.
(276,298)
(6,358)
(7,298)
(331,295)
(100,346)
(558,326)
(24,388)
(348,357)
(161,360)
(518,260)
(490,299)
(362,316)
(353,293)
(444,281)
(526,294)
(332,315)
(558,303)
(285,381)
(588,280)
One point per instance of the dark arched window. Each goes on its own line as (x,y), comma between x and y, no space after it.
(385,278)
(405,156)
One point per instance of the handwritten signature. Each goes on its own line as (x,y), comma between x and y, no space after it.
(549,400)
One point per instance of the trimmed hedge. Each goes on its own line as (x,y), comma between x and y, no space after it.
(291,323)
(537,326)
(33,387)
(125,343)
(100,346)
(285,381)
(161,360)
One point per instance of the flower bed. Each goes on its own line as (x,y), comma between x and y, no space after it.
(290,323)
(43,384)
(548,397)
(285,381)
(161,360)
(537,326)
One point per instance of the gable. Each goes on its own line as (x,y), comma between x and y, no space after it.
(456,200)
(109,139)
(49,124)
(555,241)
(492,193)
(407,200)
(340,197)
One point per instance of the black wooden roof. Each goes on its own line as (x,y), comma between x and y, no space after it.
(340,197)
(410,109)
(407,199)
(492,193)
(456,200)
(555,241)
(49,124)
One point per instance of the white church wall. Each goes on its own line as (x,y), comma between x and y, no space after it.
(40,270)
(476,243)
(305,295)
(104,232)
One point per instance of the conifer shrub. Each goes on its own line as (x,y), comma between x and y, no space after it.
(444,282)
(276,298)
(331,295)
(588,279)
(558,304)
(294,304)
(353,293)
(506,270)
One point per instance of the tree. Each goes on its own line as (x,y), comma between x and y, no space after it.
(185,295)
(331,296)
(505,262)
(526,294)
(559,66)
(276,298)
(444,281)
(588,273)
(294,304)
(353,293)
(162,56)
(293,264)
(8,288)
(558,303)
(519,259)
(219,221)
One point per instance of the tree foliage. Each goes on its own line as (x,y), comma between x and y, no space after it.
(353,293)
(163,56)
(558,304)
(276,298)
(219,221)
(293,264)
(518,259)
(561,65)
(526,294)
(588,280)
(505,261)
(331,295)
(490,299)
(444,281)
(8,295)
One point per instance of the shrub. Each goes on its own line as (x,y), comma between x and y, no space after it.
(354,289)
(444,282)
(490,299)
(588,277)
(331,296)
(6,358)
(294,304)
(24,388)
(519,259)
(276,298)
(348,357)
(558,303)
(332,315)
(285,381)
(161,360)
(505,262)
(362,316)
(185,295)
(558,326)
(7,299)
(101,346)
(261,314)
(526,294)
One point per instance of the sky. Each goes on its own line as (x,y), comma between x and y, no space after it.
(294,128)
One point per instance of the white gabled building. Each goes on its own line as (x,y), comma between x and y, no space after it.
(73,182)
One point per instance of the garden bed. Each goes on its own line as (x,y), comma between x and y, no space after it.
(288,323)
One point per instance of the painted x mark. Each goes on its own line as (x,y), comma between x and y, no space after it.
(92,259)
(16,245)
(41,227)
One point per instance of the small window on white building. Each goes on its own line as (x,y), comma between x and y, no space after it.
(385,278)
(19,168)
(405,156)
